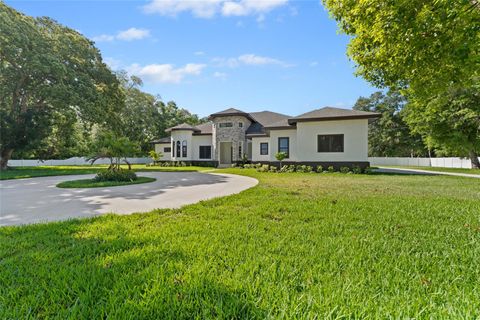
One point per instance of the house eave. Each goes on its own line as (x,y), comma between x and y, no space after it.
(369,116)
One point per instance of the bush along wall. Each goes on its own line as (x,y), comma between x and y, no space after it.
(288,168)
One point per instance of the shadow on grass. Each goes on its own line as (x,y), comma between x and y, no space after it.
(100,268)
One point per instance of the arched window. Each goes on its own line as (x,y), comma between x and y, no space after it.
(178,149)
(184,148)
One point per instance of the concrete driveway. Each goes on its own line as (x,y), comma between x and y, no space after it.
(34,200)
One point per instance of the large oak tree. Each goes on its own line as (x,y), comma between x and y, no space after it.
(430,49)
(49,71)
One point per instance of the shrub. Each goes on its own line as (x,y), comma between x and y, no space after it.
(258,166)
(156,156)
(247,166)
(308,169)
(356,169)
(344,169)
(263,168)
(284,169)
(319,169)
(331,169)
(280,156)
(273,169)
(115,175)
(234,165)
(368,170)
(291,168)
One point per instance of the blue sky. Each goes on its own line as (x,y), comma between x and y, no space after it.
(278,55)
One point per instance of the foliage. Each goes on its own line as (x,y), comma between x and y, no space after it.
(296,246)
(93,183)
(115,148)
(319,169)
(428,48)
(156,156)
(450,121)
(331,169)
(390,136)
(356,170)
(115,175)
(48,72)
(344,169)
(280,156)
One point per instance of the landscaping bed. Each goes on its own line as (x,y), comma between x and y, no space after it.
(92,183)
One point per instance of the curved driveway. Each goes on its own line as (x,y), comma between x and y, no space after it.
(38,199)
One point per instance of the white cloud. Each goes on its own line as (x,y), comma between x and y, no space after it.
(199,53)
(125,35)
(249,60)
(103,38)
(165,73)
(210,8)
(249,7)
(220,75)
(201,9)
(313,63)
(133,34)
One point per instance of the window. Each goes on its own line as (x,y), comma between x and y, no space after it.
(167,150)
(264,148)
(178,149)
(225,125)
(240,156)
(330,143)
(240,124)
(284,145)
(184,149)
(205,152)
(173,148)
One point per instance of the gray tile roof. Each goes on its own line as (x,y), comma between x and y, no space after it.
(162,140)
(230,112)
(330,113)
(265,119)
(183,126)
(205,128)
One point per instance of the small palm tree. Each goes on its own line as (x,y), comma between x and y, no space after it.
(280,156)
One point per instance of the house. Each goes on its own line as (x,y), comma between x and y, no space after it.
(327,136)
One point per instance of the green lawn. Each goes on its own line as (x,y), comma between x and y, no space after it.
(454,170)
(90,183)
(43,171)
(304,246)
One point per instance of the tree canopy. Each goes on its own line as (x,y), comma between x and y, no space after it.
(48,72)
(430,49)
(390,136)
(57,95)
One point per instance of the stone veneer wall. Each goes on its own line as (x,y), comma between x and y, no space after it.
(234,134)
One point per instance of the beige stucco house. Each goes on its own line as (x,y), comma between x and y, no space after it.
(327,136)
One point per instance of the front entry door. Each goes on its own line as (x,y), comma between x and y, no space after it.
(225,152)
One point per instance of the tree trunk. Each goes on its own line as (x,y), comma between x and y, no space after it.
(5,155)
(474,160)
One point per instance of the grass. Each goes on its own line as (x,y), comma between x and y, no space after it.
(299,246)
(91,183)
(454,170)
(43,171)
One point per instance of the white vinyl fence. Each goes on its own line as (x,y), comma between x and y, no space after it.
(76,161)
(421,162)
